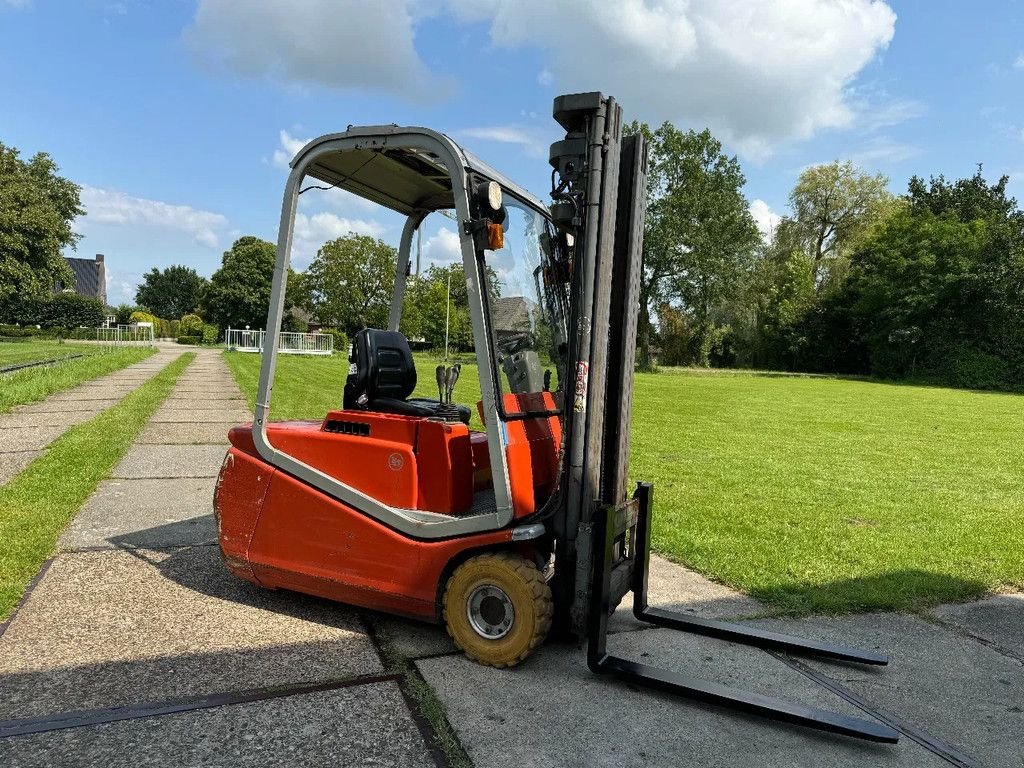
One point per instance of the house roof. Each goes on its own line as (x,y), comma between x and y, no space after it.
(89,280)
(511,313)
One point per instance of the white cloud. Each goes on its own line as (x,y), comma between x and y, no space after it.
(16,3)
(765,218)
(885,113)
(313,230)
(344,44)
(1018,63)
(289,148)
(107,206)
(535,142)
(757,73)
(443,247)
(884,151)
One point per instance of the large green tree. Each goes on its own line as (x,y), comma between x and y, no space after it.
(699,235)
(37,209)
(349,283)
(436,298)
(239,292)
(938,289)
(171,293)
(834,205)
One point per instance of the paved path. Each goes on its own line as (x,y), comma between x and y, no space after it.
(137,610)
(158,656)
(27,430)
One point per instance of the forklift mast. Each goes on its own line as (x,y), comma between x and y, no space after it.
(602,535)
(599,197)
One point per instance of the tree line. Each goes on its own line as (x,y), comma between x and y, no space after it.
(926,285)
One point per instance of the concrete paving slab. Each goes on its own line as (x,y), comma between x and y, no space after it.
(50,406)
(155,461)
(557,713)
(206,404)
(213,432)
(675,587)
(953,687)
(12,463)
(97,393)
(671,586)
(30,419)
(119,627)
(20,439)
(359,726)
(998,619)
(184,416)
(144,513)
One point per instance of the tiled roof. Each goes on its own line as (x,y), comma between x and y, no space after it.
(90,277)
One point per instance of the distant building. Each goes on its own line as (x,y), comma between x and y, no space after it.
(512,315)
(90,277)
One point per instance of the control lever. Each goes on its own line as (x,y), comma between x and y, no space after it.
(453,376)
(440,375)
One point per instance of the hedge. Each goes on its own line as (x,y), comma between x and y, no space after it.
(61,310)
(340,339)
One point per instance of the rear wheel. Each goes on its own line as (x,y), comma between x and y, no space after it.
(498,608)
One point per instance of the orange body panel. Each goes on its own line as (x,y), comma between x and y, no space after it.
(532,452)
(281,532)
(312,543)
(401,461)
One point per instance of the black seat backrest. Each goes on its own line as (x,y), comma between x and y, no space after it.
(381,365)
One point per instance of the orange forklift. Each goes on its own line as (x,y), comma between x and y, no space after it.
(526,526)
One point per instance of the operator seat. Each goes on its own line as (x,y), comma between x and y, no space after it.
(382,375)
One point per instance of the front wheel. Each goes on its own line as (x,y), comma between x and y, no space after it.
(498,608)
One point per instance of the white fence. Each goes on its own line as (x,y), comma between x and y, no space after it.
(288,343)
(140,335)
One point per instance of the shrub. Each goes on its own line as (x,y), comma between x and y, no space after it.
(191,325)
(975,369)
(340,339)
(193,340)
(210,334)
(123,313)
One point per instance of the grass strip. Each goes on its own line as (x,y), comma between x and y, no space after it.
(33,384)
(14,353)
(37,504)
(420,695)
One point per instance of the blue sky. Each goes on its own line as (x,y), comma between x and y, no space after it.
(178,117)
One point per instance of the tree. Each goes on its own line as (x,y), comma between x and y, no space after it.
(349,283)
(239,292)
(699,235)
(777,294)
(938,288)
(37,208)
(428,307)
(172,292)
(833,206)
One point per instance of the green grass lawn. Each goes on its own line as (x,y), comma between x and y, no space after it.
(31,384)
(18,352)
(308,387)
(812,494)
(37,504)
